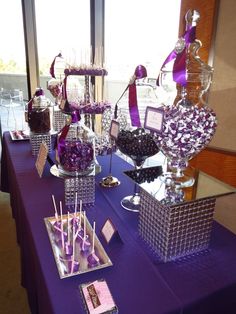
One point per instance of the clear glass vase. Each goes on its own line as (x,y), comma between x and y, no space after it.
(75,150)
(188,124)
(39,111)
(137,145)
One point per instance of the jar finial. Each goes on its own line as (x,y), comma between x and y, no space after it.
(192,17)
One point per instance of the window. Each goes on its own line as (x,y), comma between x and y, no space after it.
(61,27)
(12,56)
(141,32)
(13,82)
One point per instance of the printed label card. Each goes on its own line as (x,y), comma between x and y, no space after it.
(154,119)
(114,129)
(109,231)
(42,158)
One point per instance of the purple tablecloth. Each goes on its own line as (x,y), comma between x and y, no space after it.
(138,281)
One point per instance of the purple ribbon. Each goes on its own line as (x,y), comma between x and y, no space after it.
(61,139)
(64,92)
(75,117)
(179,67)
(140,72)
(52,70)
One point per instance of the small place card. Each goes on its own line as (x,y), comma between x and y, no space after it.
(109,230)
(41,159)
(114,129)
(154,119)
(98,298)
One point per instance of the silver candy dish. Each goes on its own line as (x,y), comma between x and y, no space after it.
(63,261)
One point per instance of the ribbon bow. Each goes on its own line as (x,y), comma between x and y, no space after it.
(140,72)
(39,92)
(52,70)
(179,67)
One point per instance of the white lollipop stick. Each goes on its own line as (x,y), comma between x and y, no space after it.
(76,202)
(94,225)
(68,227)
(55,208)
(76,235)
(84,230)
(91,56)
(80,214)
(62,234)
(73,248)
(84,224)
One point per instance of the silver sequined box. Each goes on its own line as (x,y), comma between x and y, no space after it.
(37,139)
(178,230)
(84,186)
(59,120)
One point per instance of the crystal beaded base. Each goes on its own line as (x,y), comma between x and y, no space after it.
(59,120)
(175,231)
(84,186)
(37,139)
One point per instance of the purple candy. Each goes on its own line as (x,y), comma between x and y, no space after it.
(80,235)
(68,249)
(57,224)
(75,223)
(59,241)
(186,131)
(86,71)
(93,260)
(85,245)
(74,265)
(76,156)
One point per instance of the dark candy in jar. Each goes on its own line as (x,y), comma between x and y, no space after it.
(137,144)
(39,120)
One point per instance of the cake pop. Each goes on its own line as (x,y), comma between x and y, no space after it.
(93,259)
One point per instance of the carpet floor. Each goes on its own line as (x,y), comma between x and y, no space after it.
(13,298)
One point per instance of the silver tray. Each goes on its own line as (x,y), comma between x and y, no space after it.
(60,257)
(19,135)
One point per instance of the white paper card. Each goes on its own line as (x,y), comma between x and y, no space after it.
(41,159)
(114,130)
(154,119)
(108,230)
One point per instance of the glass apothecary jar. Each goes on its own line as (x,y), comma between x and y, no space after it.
(39,113)
(188,123)
(75,148)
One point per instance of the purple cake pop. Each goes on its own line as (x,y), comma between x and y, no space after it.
(93,259)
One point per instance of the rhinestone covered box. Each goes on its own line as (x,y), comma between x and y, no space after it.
(84,186)
(175,231)
(37,139)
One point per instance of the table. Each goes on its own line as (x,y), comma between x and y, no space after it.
(205,283)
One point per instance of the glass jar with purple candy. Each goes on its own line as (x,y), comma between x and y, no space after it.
(188,123)
(75,149)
